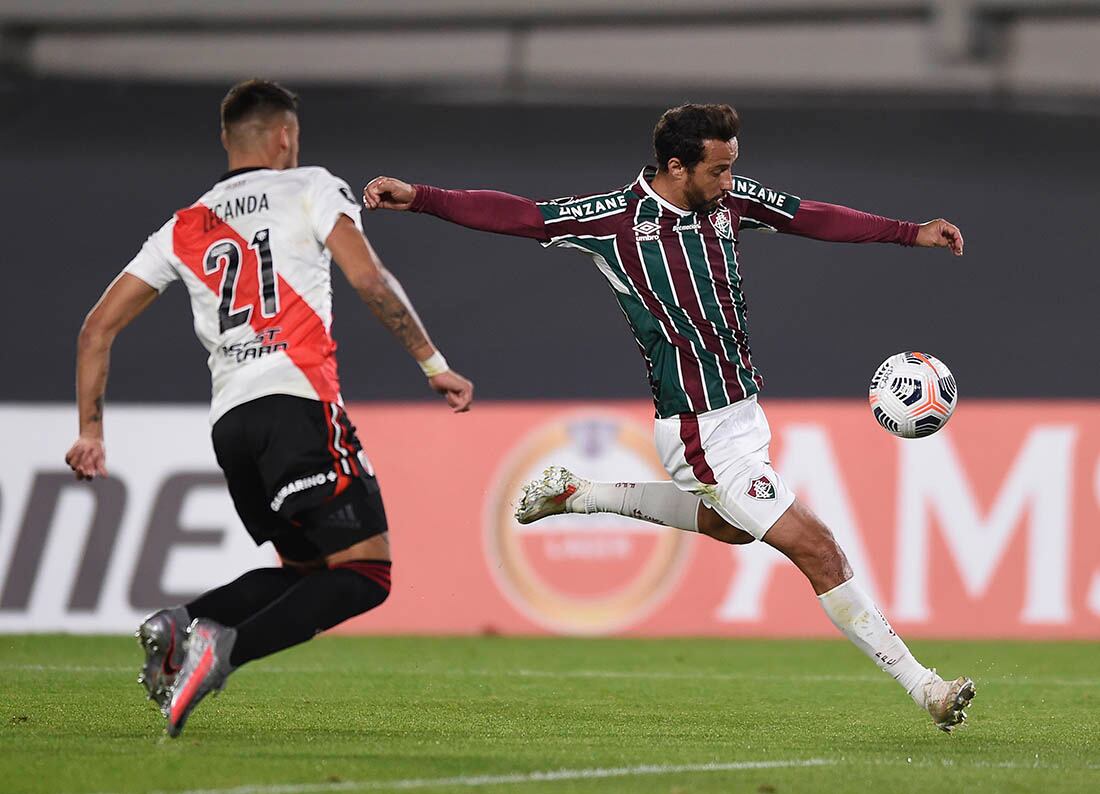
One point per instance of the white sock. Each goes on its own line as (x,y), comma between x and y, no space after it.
(853,612)
(657,502)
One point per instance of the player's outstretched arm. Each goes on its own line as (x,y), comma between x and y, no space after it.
(484,210)
(126,298)
(819,220)
(382,292)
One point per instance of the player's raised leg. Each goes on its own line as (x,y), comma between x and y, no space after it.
(809,544)
(559,490)
(798,534)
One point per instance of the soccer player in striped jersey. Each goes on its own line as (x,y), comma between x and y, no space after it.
(667,244)
(255,254)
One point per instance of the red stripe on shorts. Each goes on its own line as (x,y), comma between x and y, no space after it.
(342,479)
(693,449)
(378,571)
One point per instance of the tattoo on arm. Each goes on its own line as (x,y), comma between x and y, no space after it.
(97,414)
(393,313)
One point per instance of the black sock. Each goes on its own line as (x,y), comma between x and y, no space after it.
(246,595)
(317,602)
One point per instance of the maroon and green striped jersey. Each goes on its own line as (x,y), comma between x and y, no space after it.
(676,275)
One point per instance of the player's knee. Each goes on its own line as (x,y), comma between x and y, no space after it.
(802,536)
(727,533)
(364,584)
(818,544)
(823,556)
(734,536)
(713,525)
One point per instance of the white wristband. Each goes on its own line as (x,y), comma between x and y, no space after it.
(433,365)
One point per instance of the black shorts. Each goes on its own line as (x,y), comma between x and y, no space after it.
(296,475)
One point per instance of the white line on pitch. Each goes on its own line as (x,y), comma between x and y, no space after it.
(474,781)
(817,677)
(609,674)
(64,668)
(820,677)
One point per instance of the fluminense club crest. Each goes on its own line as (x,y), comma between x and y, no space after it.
(761,488)
(722,222)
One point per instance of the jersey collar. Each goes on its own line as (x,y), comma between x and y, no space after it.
(239,171)
(644,178)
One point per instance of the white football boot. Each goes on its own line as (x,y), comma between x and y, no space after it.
(556,491)
(945,701)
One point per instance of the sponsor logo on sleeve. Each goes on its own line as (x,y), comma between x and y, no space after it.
(585,209)
(750,189)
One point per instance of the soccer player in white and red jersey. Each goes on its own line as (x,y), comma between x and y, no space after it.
(668,245)
(255,254)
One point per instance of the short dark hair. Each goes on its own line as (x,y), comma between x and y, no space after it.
(681,131)
(256,98)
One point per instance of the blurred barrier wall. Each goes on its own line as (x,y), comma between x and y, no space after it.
(993,48)
(85,192)
(990,528)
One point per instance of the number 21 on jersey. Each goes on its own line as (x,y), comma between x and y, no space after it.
(226,255)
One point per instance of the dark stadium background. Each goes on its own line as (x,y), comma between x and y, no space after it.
(91,168)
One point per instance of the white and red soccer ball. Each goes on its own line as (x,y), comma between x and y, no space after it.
(913,394)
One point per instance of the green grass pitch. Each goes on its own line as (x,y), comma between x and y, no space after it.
(492,714)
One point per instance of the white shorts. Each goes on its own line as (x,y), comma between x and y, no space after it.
(722,457)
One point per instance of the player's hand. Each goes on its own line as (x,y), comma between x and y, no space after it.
(387,193)
(88,458)
(940,234)
(458,391)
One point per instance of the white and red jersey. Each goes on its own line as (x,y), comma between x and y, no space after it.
(252,254)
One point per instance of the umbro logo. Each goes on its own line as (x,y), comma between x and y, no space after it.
(761,488)
(647,231)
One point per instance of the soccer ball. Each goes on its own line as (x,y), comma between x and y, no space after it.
(913,394)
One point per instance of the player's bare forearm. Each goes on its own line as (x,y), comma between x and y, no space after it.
(124,300)
(92,361)
(386,298)
(389,303)
(378,288)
